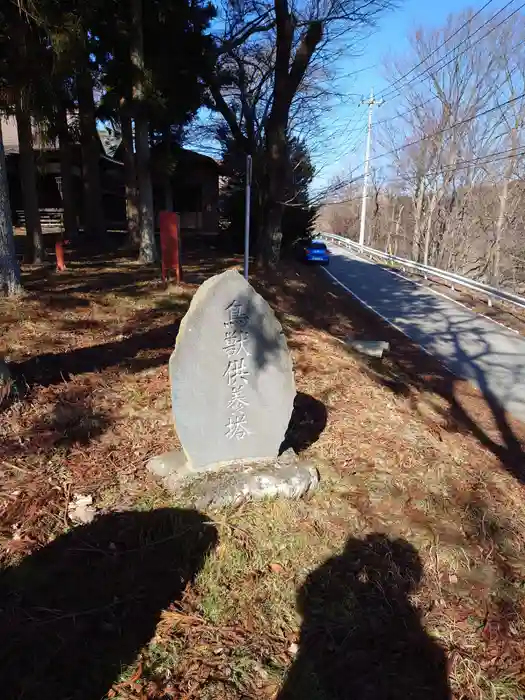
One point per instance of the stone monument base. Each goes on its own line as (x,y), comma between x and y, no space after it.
(232,483)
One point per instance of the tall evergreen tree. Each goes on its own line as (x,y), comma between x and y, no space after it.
(9,269)
(158,90)
(146,66)
(20,63)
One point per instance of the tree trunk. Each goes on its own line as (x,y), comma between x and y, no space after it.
(288,75)
(496,244)
(148,249)
(390,228)
(269,247)
(398,226)
(428,231)
(130,174)
(68,198)
(416,240)
(168,194)
(503,198)
(168,189)
(90,145)
(9,268)
(27,169)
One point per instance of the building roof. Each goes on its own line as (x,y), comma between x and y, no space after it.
(40,142)
(185,156)
(110,142)
(10,137)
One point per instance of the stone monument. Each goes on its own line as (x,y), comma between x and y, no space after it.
(232,390)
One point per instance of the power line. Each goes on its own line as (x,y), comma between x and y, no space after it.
(448,128)
(422,104)
(424,60)
(460,165)
(480,160)
(331,189)
(455,57)
(417,78)
(412,109)
(435,97)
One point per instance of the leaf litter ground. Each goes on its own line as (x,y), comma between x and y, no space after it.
(406,452)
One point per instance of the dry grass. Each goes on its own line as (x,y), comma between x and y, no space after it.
(421,482)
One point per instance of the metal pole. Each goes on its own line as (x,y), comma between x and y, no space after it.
(247,214)
(370,102)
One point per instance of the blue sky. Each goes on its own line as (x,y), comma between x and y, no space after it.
(348,121)
(339,143)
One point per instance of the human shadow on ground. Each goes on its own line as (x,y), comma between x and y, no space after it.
(77,612)
(306,424)
(361,637)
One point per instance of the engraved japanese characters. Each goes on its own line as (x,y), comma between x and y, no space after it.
(231,375)
(236,348)
(232,391)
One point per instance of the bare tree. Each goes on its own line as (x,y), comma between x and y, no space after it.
(293,35)
(23,94)
(450,149)
(66,171)
(28,178)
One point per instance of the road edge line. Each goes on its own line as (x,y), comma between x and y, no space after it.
(387,321)
(432,291)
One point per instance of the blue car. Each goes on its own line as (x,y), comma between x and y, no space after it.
(316,252)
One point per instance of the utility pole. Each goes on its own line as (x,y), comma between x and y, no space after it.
(371,102)
(247,202)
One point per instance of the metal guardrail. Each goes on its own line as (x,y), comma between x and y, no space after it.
(429,271)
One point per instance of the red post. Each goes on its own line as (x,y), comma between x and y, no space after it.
(59,254)
(170,244)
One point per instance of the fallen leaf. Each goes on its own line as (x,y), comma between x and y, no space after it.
(137,674)
(80,509)
(270,690)
(276,568)
(19,544)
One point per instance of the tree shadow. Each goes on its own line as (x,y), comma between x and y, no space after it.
(361,637)
(497,537)
(469,346)
(99,269)
(73,420)
(77,612)
(53,368)
(67,290)
(306,424)
(426,375)
(464,346)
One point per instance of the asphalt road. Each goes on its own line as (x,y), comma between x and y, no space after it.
(471,346)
